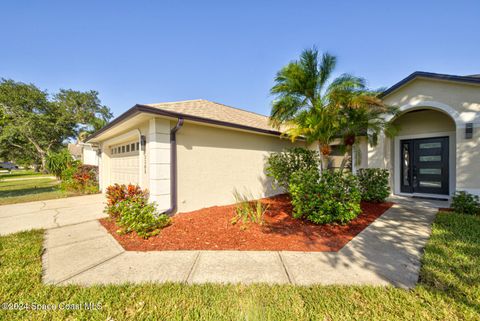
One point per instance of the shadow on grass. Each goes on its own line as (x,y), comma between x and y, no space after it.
(29,191)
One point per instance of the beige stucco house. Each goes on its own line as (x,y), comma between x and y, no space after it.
(189,154)
(195,154)
(437,148)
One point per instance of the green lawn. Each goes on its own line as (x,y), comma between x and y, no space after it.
(41,187)
(20,174)
(449,289)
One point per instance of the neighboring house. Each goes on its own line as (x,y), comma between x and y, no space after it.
(75,150)
(85,153)
(90,155)
(194,154)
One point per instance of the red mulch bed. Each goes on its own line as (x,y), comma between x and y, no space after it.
(445,209)
(211,229)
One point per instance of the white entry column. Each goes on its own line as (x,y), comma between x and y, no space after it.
(158,148)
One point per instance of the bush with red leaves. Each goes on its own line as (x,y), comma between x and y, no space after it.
(117,193)
(81,178)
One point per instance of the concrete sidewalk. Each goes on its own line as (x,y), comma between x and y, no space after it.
(388,252)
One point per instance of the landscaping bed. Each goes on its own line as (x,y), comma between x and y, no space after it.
(211,229)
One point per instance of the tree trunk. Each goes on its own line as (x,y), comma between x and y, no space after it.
(348,148)
(43,158)
(41,153)
(320,166)
(324,153)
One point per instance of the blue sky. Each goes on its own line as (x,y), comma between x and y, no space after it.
(226,51)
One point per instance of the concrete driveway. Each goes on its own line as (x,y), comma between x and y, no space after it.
(50,213)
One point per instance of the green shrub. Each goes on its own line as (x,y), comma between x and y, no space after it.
(67,174)
(326,198)
(80,178)
(118,193)
(280,166)
(141,218)
(128,205)
(465,203)
(374,185)
(248,211)
(58,162)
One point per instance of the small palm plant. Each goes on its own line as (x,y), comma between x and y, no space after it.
(248,211)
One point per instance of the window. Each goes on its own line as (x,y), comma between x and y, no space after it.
(431,171)
(138,146)
(432,158)
(128,148)
(430,145)
(434,184)
(123,149)
(337,150)
(132,147)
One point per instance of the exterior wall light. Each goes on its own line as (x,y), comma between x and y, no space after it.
(468,130)
(143,142)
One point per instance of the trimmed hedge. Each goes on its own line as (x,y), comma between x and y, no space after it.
(281,166)
(374,185)
(465,203)
(326,198)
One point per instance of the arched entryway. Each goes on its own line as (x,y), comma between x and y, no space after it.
(423,152)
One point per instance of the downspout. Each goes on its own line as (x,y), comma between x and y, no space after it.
(141,157)
(173,167)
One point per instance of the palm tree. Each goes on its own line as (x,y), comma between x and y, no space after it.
(316,125)
(308,103)
(364,116)
(362,113)
(302,103)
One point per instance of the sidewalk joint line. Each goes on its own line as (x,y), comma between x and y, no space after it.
(190,272)
(284,267)
(88,268)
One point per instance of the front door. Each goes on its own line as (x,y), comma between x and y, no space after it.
(424,167)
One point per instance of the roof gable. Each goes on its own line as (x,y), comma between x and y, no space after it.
(429,75)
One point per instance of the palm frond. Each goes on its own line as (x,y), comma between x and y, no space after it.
(326,67)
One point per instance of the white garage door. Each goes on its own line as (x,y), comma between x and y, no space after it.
(124,164)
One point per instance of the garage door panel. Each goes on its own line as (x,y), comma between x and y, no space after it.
(124,170)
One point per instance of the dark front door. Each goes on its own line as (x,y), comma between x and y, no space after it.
(424,165)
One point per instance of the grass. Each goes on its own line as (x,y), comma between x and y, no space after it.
(21,174)
(449,289)
(42,187)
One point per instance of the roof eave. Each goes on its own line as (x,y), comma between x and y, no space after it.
(139,108)
(429,75)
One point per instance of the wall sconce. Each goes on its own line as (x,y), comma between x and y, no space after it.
(99,152)
(143,142)
(468,130)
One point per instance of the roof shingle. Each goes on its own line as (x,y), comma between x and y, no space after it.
(212,110)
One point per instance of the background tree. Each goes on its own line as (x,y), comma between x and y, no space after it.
(309,103)
(34,123)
